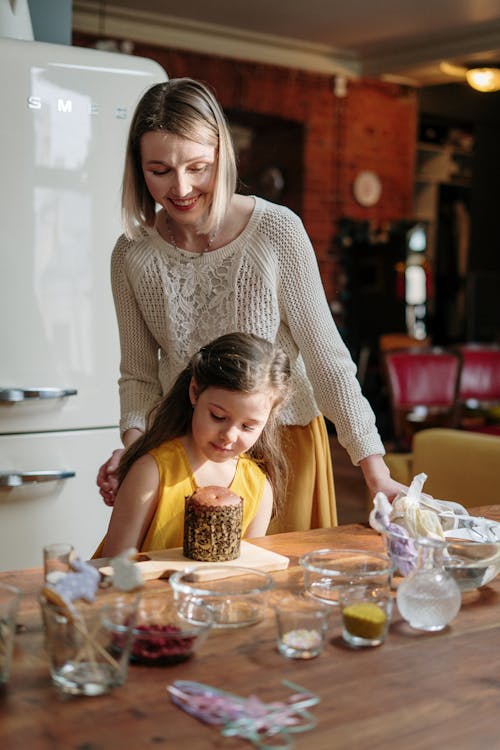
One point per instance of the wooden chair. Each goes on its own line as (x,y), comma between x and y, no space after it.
(422,387)
(479,388)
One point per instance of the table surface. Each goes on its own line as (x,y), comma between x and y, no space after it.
(418,691)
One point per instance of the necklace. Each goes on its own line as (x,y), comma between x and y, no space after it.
(172,241)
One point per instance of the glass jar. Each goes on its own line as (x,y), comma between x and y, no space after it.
(429,598)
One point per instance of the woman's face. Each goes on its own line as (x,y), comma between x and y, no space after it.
(179,174)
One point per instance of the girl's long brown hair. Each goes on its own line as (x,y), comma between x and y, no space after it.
(237,362)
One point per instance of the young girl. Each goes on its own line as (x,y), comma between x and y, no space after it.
(216,426)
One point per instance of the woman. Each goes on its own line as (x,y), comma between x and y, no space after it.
(198,260)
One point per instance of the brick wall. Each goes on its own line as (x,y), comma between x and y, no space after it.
(372,128)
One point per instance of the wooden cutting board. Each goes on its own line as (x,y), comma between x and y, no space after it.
(162,563)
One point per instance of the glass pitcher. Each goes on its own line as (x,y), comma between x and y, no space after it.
(429,598)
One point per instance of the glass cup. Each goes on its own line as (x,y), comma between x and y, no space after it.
(56,560)
(9,603)
(89,645)
(366,614)
(301,625)
(236,595)
(327,572)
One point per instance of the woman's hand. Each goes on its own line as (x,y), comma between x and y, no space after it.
(378,478)
(107,478)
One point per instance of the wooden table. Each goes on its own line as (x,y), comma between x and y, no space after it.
(418,691)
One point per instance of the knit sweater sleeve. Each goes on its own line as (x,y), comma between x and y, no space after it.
(328,362)
(139,384)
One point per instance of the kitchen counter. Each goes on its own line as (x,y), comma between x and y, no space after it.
(418,691)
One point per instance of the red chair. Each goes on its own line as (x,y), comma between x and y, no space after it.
(422,386)
(479,388)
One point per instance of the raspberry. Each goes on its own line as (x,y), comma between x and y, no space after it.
(156,650)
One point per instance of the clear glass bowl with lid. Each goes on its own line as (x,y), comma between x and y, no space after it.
(236,595)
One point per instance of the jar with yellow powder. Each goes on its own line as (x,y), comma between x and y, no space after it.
(366,614)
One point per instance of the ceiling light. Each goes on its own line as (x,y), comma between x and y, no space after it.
(484,78)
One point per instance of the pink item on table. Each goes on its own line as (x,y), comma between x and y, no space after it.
(248,718)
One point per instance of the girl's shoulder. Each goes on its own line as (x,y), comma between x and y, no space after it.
(144,472)
(172,461)
(250,467)
(249,480)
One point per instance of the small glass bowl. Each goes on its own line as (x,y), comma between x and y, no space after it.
(472,564)
(328,571)
(237,596)
(164,636)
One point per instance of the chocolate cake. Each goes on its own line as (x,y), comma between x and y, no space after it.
(213,519)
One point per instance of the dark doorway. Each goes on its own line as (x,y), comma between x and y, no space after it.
(270,157)
(451,264)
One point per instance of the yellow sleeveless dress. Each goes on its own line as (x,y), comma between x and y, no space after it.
(177,482)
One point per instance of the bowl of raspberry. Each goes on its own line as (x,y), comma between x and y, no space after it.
(163,636)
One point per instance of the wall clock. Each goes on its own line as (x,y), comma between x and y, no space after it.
(367,188)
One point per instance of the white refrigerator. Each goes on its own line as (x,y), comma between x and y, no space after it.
(63,127)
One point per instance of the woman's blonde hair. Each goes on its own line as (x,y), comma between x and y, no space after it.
(237,362)
(188,109)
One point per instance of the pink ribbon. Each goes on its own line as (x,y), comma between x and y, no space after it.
(248,718)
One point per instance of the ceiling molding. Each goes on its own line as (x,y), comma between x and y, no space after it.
(432,50)
(169,31)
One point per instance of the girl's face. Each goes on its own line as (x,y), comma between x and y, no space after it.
(227,423)
(179,174)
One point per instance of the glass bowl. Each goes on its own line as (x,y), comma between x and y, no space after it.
(237,596)
(327,572)
(472,563)
(163,635)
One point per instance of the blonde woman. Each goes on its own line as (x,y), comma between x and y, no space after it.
(197,260)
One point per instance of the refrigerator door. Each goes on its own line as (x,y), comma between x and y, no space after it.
(65,118)
(48,493)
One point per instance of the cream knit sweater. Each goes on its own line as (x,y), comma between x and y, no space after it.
(170,302)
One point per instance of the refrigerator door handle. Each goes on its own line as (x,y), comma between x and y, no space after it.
(22,394)
(21,478)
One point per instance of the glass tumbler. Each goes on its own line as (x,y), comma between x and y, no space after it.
(9,603)
(56,560)
(366,614)
(89,645)
(301,625)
